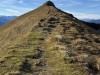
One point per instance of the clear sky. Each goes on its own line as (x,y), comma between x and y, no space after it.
(82,9)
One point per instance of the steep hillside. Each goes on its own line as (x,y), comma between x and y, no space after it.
(48,41)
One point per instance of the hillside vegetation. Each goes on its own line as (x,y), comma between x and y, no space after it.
(48,41)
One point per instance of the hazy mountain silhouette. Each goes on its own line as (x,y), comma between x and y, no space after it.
(6,19)
(95,21)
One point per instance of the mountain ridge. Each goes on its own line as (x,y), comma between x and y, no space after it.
(48,41)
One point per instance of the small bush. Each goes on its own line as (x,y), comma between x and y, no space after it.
(26,67)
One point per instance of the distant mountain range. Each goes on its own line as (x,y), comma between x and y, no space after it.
(86,20)
(95,21)
(92,20)
(5,19)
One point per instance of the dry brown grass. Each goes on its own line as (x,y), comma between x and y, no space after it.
(47,41)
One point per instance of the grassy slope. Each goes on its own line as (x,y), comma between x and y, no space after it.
(62,49)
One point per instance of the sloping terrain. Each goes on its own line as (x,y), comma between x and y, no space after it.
(48,41)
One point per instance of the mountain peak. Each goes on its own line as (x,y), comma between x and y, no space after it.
(38,39)
(49,3)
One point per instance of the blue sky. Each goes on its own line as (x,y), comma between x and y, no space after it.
(82,9)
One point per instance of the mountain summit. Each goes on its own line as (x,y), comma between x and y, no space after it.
(48,41)
(49,3)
